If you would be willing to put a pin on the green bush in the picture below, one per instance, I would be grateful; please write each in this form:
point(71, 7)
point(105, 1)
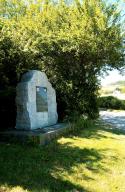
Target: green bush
point(111, 102)
point(7, 108)
point(80, 123)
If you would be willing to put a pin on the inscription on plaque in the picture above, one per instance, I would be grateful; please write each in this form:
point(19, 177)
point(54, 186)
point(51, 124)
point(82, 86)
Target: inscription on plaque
point(41, 99)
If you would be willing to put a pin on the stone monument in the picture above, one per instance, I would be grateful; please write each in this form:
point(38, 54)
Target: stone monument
point(35, 101)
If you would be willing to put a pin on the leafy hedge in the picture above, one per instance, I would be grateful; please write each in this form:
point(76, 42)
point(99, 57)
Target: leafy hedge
point(7, 108)
point(111, 102)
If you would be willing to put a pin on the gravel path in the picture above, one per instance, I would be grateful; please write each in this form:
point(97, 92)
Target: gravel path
point(115, 118)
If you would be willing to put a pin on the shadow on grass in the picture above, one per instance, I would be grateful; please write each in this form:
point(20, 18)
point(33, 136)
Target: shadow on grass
point(40, 168)
point(114, 130)
point(97, 132)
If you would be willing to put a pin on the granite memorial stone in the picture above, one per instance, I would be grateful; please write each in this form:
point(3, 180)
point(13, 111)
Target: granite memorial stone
point(35, 101)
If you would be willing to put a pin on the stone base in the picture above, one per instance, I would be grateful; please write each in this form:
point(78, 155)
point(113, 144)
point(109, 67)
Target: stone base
point(39, 136)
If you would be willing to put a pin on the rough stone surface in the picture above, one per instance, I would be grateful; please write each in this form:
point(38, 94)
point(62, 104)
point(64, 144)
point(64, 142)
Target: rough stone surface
point(35, 101)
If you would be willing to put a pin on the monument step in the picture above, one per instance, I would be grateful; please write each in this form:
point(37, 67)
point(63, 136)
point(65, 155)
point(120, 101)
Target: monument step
point(38, 136)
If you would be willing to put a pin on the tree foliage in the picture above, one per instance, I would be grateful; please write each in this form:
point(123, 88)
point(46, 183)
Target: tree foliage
point(71, 41)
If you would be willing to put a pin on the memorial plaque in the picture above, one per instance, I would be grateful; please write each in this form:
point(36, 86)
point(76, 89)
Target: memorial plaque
point(41, 99)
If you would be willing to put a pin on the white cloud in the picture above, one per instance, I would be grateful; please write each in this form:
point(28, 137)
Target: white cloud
point(112, 77)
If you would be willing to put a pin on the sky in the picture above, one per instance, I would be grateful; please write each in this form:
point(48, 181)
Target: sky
point(114, 75)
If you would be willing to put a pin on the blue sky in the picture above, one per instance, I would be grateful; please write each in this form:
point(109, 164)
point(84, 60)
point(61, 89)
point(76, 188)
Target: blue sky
point(114, 75)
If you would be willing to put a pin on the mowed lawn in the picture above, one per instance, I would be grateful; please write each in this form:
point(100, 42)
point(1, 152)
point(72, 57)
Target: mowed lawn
point(93, 161)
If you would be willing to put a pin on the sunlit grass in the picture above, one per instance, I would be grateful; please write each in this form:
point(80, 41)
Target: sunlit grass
point(93, 161)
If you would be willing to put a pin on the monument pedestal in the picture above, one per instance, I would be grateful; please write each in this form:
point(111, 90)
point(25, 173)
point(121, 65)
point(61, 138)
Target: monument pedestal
point(39, 136)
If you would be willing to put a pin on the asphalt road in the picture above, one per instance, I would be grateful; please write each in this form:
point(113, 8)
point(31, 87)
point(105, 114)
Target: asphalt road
point(115, 118)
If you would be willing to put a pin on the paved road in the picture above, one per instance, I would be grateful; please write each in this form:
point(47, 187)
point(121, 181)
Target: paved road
point(114, 118)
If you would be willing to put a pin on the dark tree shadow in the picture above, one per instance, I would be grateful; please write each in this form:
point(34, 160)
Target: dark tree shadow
point(97, 132)
point(109, 127)
point(32, 167)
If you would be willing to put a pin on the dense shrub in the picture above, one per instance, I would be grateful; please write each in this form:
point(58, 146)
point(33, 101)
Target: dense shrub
point(7, 108)
point(13, 63)
point(111, 102)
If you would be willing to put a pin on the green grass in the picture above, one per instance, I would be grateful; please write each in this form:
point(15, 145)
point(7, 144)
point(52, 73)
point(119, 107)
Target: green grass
point(93, 161)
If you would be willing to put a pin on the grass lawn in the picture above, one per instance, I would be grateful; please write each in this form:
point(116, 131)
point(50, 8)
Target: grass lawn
point(93, 161)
